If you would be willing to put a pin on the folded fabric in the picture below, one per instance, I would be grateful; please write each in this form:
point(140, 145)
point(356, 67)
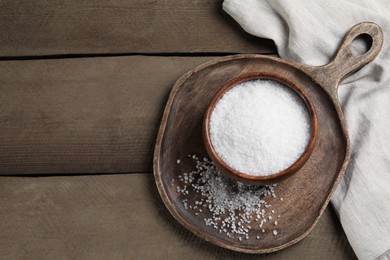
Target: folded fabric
point(310, 32)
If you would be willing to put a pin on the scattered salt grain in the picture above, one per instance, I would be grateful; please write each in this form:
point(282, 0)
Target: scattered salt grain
point(232, 208)
point(178, 161)
point(275, 232)
point(260, 127)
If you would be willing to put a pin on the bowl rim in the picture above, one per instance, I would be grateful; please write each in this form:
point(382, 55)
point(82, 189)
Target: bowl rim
point(253, 179)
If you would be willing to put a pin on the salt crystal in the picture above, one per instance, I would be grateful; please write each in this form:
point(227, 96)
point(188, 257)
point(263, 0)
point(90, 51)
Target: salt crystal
point(260, 127)
point(229, 206)
point(178, 161)
point(275, 232)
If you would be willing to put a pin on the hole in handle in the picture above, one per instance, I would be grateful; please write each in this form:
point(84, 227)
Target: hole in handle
point(361, 44)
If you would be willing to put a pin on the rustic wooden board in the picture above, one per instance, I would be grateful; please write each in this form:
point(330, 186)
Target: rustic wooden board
point(100, 116)
point(95, 115)
point(309, 190)
point(305, 194)
point(45, 27)
point(120, 217)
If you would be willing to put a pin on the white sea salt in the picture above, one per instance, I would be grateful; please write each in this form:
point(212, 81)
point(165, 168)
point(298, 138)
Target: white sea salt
point(260, 127)
point(233, 208)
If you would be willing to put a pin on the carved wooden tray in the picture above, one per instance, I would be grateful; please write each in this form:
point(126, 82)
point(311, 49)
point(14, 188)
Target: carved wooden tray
point(305, 194)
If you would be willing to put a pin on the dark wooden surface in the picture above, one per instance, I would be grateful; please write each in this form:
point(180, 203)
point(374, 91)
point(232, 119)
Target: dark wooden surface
point(89, 115)
point(100, 115)
point(120, 217)
point(44, 27)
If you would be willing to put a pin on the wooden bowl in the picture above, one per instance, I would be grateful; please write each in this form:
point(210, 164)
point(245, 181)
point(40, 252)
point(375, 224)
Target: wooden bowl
point(241, 176)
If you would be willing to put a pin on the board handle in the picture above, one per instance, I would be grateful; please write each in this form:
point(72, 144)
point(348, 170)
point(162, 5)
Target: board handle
point(346, 61)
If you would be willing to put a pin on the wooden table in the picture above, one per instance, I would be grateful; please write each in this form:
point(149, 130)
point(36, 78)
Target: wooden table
point(83, 86)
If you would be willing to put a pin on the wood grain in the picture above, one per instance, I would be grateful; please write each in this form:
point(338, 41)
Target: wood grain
point(45, 27)
point(100, 115)
point(120, 217)
point(95, 115)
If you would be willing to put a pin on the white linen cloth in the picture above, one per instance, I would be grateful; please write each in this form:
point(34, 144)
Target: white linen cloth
point(310, 32)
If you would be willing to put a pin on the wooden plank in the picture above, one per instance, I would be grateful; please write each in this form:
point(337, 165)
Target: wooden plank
point(95, 115)
point(120, 217)
point(45, 27)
